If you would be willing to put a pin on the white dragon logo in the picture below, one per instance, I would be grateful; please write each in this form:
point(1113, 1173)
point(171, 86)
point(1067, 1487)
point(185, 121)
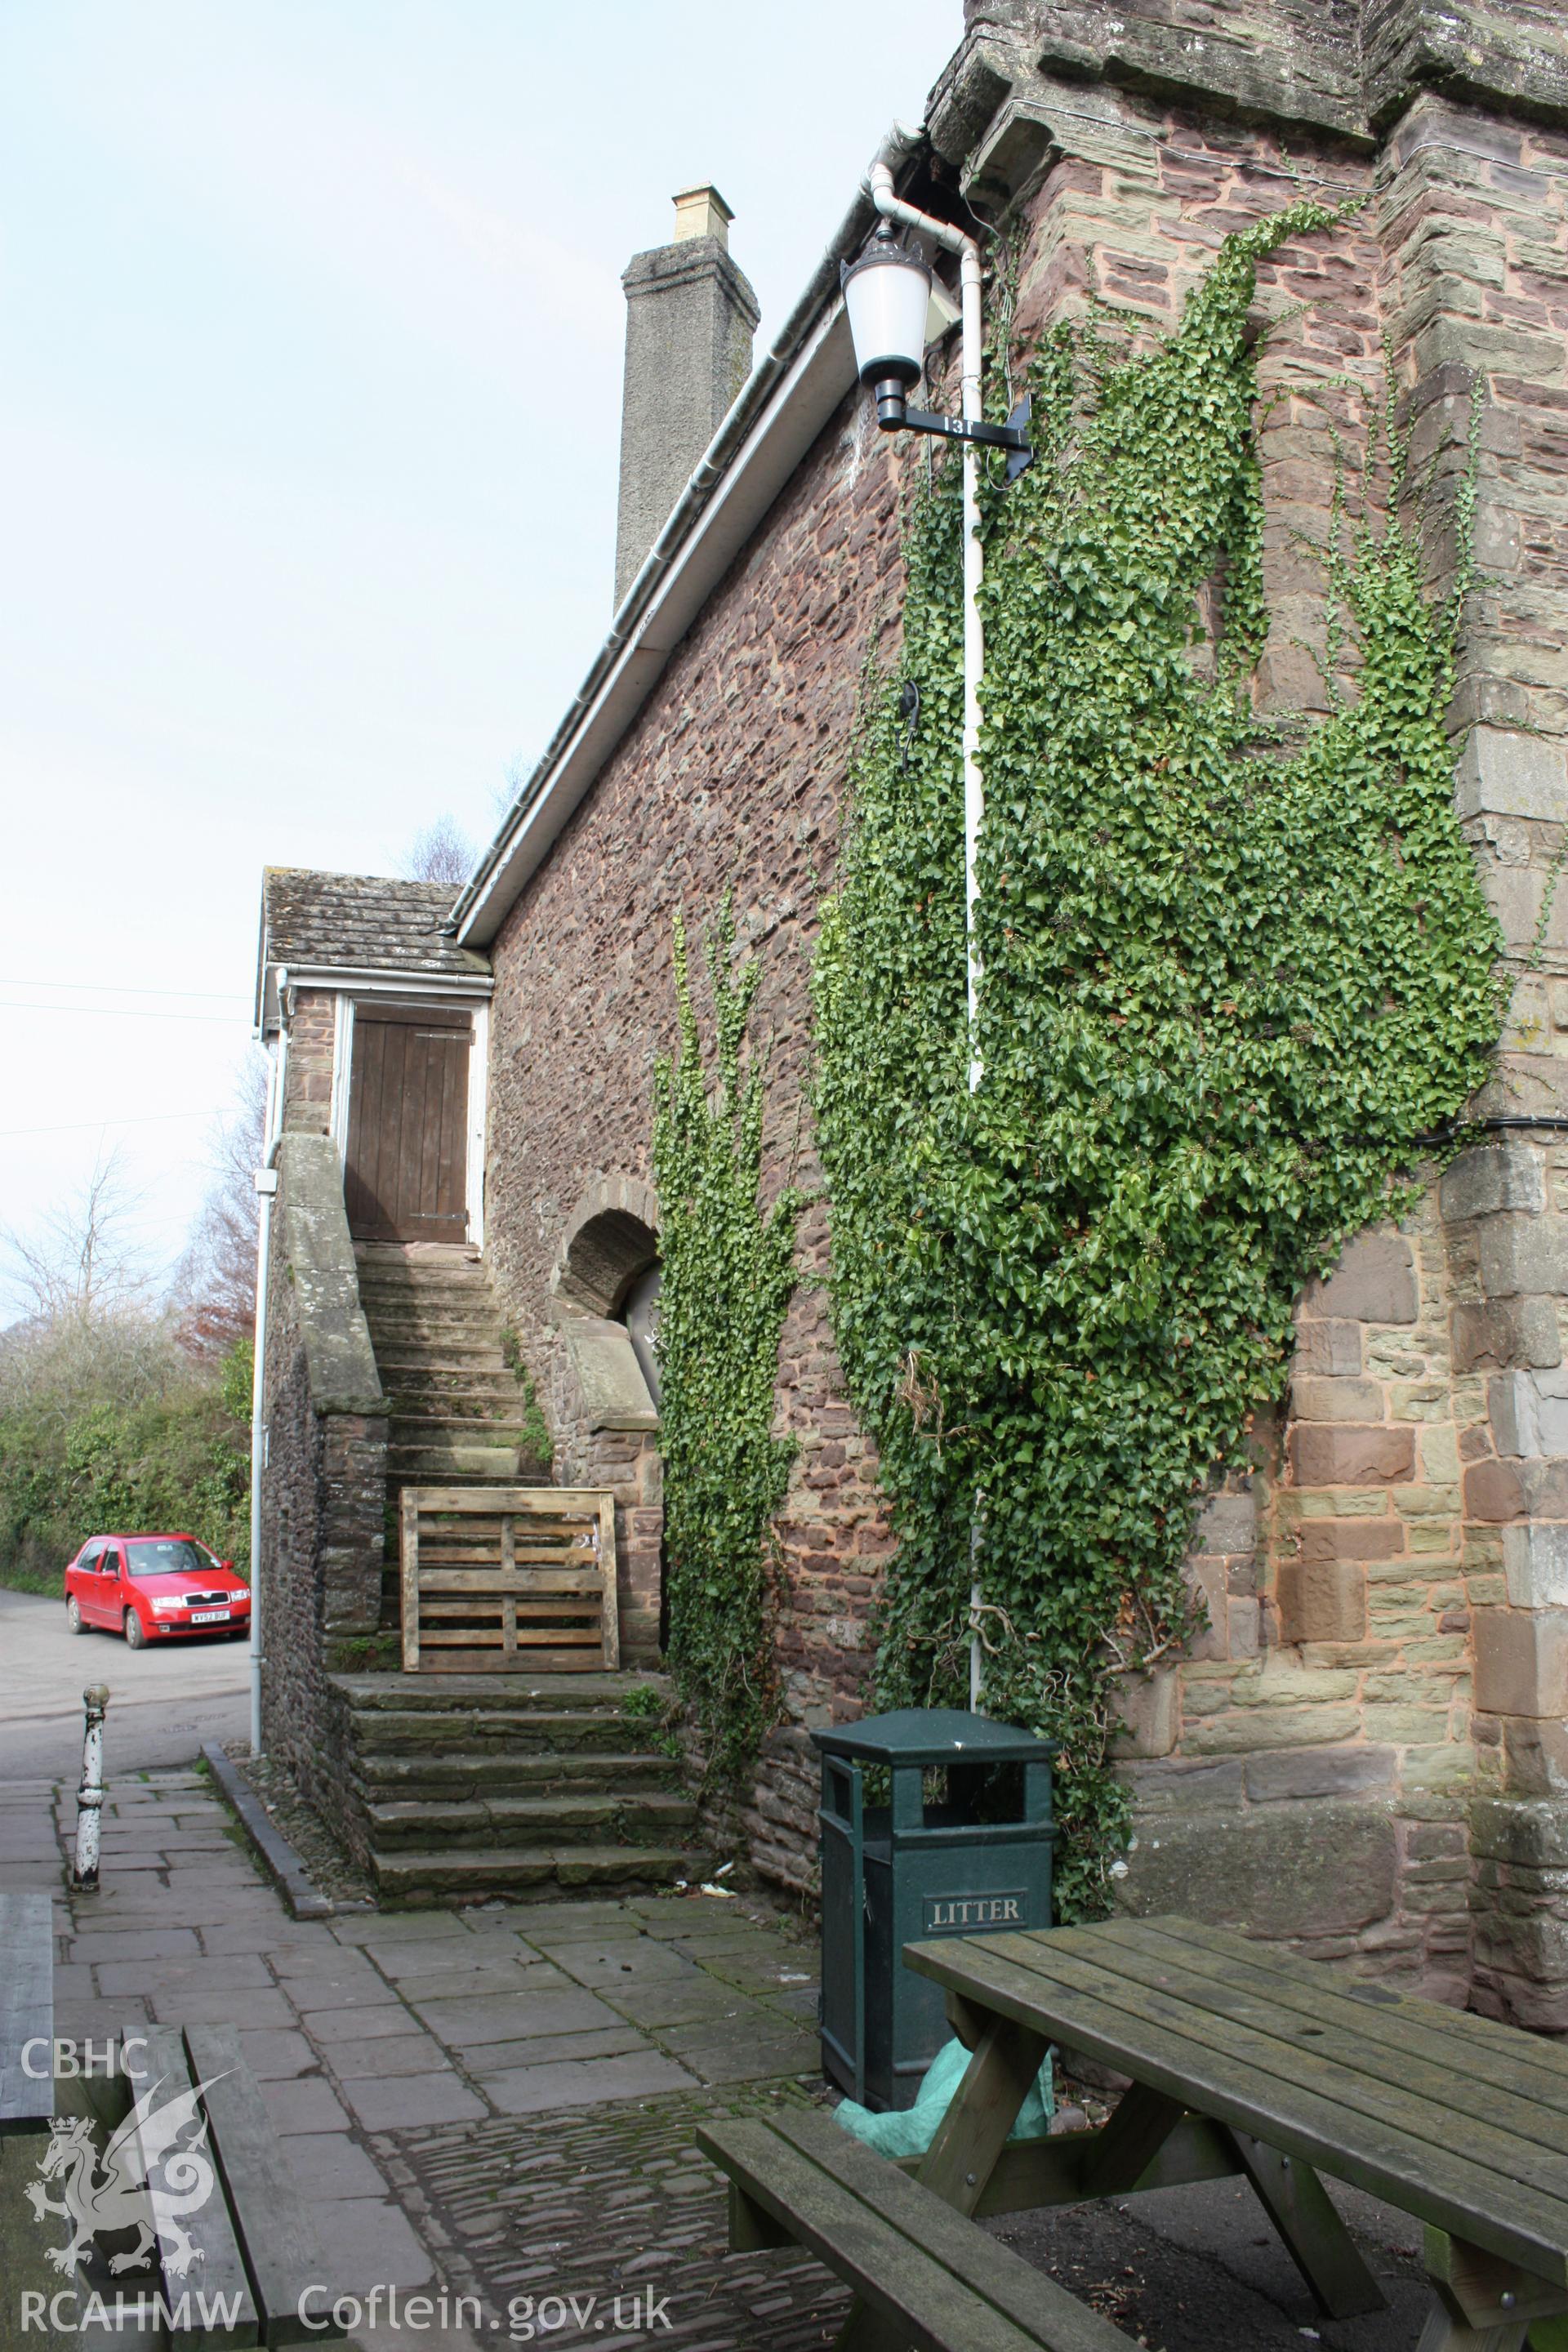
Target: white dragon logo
point(145, 2181)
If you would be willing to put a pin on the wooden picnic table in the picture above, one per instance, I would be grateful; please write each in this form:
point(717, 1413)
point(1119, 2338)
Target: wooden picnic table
point(1244, 2060)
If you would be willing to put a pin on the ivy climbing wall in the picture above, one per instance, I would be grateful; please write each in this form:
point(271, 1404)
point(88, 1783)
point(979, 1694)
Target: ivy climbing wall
point(1362, 1750)
point(1362, 1747)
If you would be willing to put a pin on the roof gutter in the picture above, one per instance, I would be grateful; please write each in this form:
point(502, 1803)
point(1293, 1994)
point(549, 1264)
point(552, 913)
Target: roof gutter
point(807, 368)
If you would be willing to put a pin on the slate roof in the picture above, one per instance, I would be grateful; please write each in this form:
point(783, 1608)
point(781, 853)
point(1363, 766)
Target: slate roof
point(359, 922)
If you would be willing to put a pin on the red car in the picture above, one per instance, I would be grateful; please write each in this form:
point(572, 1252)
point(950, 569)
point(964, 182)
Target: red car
point(149, 1586)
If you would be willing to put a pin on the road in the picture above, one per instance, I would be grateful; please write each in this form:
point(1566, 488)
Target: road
point(164, 1703)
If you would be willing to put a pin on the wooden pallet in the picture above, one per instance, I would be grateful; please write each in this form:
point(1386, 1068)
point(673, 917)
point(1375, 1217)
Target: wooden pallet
point(504, 1578)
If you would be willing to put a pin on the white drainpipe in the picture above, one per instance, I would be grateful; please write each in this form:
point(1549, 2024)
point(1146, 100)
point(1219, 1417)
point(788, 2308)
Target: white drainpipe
point(266, 1187)
point(879, 182)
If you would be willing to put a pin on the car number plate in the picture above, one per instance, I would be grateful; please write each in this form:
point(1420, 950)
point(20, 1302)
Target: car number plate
point(209, 1616)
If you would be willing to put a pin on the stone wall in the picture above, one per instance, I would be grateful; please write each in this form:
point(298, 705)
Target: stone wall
point(1319, 1767)
point(1364, 1750)
point(308, 1079)
point(325, 1487)
point(732, 778)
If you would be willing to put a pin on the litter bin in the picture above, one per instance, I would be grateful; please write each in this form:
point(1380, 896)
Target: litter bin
point(968, 1854)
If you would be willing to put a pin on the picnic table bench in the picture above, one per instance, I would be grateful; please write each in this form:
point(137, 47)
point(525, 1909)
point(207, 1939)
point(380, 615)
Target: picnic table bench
point(255, 2248)
point(1243, 2061)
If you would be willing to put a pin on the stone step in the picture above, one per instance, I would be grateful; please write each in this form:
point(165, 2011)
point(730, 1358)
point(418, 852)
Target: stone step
point(445, 1406)
point(410, 1275)
point(434, 1336)
point(475, 1304)
point(527, 1873)
point(429, 1425)
point(431, 1320)
point(450, 1776)
point(478, 1713)
point(407, 1399)
point(392, 1306)
point(502, 1695)
point(476, 1361)
point(388, 1737)
point(562, 1816)
point(474, 1466)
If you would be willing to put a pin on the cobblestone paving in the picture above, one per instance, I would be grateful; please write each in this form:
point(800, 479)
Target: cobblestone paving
point(608, 2208)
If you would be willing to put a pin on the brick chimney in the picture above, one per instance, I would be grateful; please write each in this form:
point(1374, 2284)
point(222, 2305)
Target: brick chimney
point(691, 317)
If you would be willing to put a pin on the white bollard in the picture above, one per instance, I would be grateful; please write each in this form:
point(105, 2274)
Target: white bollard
point(89, 1796)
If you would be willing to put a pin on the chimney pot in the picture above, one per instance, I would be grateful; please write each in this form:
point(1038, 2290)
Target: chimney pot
point(703, 211)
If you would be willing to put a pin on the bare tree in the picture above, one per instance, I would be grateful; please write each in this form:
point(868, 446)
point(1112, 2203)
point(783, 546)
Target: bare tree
point(81, 1261)
point(214, 1293)
point(441, 851)
point(91, 1325)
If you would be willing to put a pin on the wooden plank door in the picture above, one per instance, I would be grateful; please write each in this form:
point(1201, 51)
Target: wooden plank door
point(406, 1178)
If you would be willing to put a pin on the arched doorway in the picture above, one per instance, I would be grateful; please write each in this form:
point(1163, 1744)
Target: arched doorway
point(607, 1270)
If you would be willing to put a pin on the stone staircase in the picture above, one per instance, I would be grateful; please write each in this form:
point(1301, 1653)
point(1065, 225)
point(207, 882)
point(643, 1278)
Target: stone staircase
point(528, 1787)
point(458, 1415)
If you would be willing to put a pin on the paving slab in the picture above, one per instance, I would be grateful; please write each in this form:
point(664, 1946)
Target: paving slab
point(798, 2000)
point(273, 2053)
point(428, 1956)
point(400, 2053)
point(245, 1929)
point(308, 1948)
point(391, 1927)
point(329, 2027)
point(367, 2242)
point(742, 2054)
point(332, 2164)
point(682, 2000)
point(310, 1994)
point(208, 1885)
point(307, 2105)
point(565, 1922)
point(524, 1976)
point(139, 1864)
point(584, 2082)
point(643, 1958)
point(760, 1973)
point(544, 2049)
point(83, 2021)
point(408, 2102)
point(241, 2005)
point(29, 1842)
point(699, 1920)
point(240, 1971)
point(505, 2017)
point(109, 1944)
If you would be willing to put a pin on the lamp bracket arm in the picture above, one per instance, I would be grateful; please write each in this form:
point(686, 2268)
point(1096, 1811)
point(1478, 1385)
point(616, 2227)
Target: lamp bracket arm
point(964, 429)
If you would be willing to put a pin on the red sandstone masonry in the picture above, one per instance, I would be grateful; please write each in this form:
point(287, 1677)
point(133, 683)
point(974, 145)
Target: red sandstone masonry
point(733, 778)
point(1337, 1656)
point(308, 1105)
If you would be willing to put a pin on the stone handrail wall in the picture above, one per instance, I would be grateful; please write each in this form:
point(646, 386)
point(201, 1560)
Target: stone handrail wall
point(324, 1486)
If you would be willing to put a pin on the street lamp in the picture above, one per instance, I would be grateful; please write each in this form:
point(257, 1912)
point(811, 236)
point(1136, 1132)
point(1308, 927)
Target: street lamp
point(886, 293)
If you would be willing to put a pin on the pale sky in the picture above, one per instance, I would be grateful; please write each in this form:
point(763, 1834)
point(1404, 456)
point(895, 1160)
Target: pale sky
point(310, 332)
